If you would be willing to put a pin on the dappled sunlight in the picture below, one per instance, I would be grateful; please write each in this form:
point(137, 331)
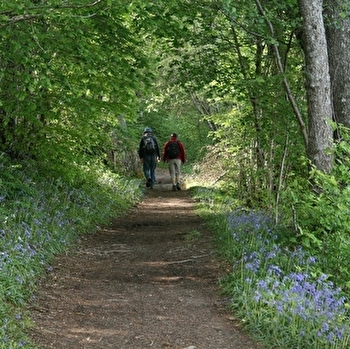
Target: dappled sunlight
point(162, 203)
point(172, 279)
point(146, 280)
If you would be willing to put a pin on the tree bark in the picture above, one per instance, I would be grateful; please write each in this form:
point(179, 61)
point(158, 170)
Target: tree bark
point(320, 133)
point(338, 41)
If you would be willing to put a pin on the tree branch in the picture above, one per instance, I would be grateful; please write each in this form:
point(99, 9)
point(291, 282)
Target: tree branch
point(285, 81)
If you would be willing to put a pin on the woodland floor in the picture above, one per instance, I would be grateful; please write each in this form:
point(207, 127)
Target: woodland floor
point(140, 283)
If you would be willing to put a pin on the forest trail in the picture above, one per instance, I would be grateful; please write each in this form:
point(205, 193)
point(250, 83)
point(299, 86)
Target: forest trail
point(147, 281)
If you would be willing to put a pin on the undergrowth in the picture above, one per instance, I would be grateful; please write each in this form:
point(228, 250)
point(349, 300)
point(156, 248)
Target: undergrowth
point(41, 217)
point(281, 291)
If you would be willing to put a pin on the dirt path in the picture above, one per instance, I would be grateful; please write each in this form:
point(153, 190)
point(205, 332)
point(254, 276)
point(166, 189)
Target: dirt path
point(142, 283)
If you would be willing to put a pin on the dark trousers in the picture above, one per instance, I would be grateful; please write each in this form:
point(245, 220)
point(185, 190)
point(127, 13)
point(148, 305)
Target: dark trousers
point(149, 167)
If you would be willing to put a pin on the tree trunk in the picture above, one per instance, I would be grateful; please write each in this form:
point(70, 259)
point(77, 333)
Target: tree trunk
point(338, 41)
point(320, 134)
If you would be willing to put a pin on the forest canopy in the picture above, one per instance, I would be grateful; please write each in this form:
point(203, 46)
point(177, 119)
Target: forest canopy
point(80, 79)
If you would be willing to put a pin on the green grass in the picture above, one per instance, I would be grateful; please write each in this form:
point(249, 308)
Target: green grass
point(192, 235)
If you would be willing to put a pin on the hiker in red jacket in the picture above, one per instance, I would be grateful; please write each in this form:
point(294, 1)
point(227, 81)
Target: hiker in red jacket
point(174, 154)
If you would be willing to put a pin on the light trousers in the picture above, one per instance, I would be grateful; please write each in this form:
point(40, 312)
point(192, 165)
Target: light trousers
point(175, 170)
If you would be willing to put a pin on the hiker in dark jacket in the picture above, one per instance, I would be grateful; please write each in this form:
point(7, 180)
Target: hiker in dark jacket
point(149, 154)
point(174, 153)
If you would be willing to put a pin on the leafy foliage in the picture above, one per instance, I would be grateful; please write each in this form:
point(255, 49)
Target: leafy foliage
point(63, 90)
point(321, 215)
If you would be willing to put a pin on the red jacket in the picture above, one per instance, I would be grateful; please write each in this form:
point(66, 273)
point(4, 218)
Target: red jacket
point(182, 155)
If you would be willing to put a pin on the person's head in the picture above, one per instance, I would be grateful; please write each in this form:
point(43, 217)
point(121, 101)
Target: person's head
point(147, 130)
point(173, 135)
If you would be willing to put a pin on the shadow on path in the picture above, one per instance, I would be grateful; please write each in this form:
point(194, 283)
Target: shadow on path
point(147, 281)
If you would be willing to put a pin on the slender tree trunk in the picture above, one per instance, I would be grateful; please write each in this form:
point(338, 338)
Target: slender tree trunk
point(338, 41)
point(320, 133)
point(280, 66)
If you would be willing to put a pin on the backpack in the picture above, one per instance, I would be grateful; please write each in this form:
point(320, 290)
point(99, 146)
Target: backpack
point(173, 150)
point(149, 145)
